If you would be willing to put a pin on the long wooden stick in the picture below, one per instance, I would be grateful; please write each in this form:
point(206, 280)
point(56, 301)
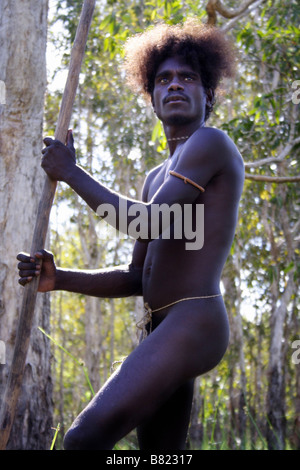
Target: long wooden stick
point(15, 378)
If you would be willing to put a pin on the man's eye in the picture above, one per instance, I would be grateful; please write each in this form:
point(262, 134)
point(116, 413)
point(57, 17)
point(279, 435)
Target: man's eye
point(163, 80)
point(188, 78)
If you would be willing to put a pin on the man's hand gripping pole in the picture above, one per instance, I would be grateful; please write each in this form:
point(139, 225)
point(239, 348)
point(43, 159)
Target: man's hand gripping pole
point(15, 378)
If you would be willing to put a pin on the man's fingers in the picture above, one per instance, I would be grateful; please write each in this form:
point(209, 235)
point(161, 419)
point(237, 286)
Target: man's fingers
point(24, 273)
point(25, 266)
point(30, 266)
point(28, 269)
point(43, 255)
point(48, 141)
point(70, 139)
point(24, 257)
point(24, 281)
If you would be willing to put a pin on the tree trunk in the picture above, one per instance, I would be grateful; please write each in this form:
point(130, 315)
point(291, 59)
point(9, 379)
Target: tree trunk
point(23, 29)
point(93, 320)
point(276, 386)
point(232, 284)
point(280, 302)
point(196, 426)
point(93, 315)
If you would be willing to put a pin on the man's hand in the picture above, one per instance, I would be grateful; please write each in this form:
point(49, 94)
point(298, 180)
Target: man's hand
point(59, 160)
point(29, 268)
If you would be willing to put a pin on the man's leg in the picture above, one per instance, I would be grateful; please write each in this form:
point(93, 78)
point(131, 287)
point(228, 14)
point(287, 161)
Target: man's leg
point(188, 342)
point(146, 379)
point(168, 427)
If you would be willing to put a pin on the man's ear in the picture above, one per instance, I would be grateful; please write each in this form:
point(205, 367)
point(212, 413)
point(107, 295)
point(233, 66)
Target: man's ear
point(210, 97)
point(210, 101)
point(152, 102)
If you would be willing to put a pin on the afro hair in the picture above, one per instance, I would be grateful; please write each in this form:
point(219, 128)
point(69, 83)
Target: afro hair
point(205, 48)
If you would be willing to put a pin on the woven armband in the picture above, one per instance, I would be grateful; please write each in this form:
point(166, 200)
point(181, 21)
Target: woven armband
point(187, 180)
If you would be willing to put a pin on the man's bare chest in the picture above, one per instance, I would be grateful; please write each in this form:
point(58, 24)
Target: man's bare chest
point(161, 175)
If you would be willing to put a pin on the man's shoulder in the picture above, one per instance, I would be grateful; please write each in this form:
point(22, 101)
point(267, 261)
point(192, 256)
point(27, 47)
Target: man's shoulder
point(213, 136)
point(152, 173)
point(211, 141)
point(154, 170)
point(149, 177)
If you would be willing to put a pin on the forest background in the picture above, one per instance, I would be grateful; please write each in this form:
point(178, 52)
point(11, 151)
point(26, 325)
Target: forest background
point(252, 399)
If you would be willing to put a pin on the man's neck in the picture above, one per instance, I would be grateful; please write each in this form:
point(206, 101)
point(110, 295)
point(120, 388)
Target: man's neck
point(178, 135)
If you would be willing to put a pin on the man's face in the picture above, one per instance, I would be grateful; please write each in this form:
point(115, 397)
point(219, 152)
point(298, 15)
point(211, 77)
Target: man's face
point(178, 95)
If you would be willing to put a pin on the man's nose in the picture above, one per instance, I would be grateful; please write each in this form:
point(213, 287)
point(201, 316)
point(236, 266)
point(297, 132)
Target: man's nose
point(175, 85)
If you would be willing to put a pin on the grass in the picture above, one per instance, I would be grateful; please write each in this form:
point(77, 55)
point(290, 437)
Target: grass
point(78, 362)
point(57, 429)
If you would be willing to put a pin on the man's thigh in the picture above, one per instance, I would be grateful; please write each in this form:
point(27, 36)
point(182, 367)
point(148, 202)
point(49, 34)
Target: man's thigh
point(136, 390)
point(180, 348)
point(167, 428)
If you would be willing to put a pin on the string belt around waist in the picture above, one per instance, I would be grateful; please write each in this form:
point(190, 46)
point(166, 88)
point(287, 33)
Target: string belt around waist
point(147, 318)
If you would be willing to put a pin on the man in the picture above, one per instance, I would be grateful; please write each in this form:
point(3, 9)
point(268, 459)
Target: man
point(187, 330)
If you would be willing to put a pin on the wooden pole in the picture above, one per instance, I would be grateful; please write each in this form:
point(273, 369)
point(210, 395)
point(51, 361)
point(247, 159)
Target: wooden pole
point(15, 378)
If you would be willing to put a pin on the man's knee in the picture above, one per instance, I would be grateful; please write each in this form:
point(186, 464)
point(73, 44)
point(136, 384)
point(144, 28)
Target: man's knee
point(77, 438)
point(72, 440)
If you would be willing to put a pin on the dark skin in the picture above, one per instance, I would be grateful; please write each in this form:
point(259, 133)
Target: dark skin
point(152, 390)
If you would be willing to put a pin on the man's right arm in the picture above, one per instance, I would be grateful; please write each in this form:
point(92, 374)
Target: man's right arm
point(115, 282)
point(120, 281)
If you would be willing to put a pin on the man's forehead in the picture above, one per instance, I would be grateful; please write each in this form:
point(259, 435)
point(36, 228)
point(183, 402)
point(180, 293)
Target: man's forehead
point(174, 62)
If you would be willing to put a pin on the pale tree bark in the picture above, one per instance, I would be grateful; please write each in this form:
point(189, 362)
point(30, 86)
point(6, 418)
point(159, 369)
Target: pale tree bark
point(281, 300)
point(93, 336)
point(233, 300)
point(23, 29)
point(92, 253)
point(276, 385)
point(215, 7)
point(239, 339)
point(295, 326)
point(196, 423)
point(93, 315)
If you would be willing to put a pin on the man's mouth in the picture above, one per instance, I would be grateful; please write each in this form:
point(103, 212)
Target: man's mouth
point(174, 98)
